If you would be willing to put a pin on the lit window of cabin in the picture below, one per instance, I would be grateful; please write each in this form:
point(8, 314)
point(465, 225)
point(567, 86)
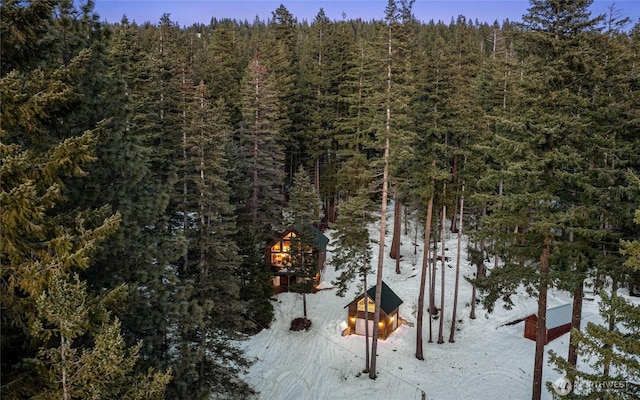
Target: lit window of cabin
point(372, 305)
point(280, 251)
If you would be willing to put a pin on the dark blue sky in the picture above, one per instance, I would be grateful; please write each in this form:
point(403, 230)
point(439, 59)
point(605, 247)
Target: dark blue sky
point(188, 12)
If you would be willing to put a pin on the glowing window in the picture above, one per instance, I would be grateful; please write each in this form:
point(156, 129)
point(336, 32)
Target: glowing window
point(372, 305)
point(279, 259)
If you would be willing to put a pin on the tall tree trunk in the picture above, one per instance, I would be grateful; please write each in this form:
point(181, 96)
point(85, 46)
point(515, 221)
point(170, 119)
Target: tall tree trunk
point(612, 324)
point(63, 358)
point(480, 272)
point(202, 361)
point(407, 223)
point(455, 290)
point(316, 176)
point(496, 259)
point(383, 228)
point(432, 285)
point(383, 212)
point(304, 307)
point(480, 268)
point(291, 164)
point(541, 326)
point(442, 267)
point(397, 227)
point(454, 228)
point(254, 197)
point(185, 192)
point(576, 316)
point(366, 324)
point(423, 276)
point(472, 313)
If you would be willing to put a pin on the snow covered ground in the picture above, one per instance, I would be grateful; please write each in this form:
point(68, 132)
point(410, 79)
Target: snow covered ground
point(487, 360)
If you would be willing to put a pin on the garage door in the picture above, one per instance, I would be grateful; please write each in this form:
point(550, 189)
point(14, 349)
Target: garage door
point(360, 329)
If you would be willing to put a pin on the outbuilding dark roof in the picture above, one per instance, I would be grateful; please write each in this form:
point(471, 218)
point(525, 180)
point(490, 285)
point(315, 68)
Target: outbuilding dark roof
point(389, 302)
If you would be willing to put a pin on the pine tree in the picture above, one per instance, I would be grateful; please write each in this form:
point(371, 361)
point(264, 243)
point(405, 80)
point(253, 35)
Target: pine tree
point(355, 125)
point(352, 250)
point(393, 127)
point(208, 316)
point(594, 251)
point(105, 370)
point(262, 151)
point(222, 66)
point(433, 152)
point(138, 175)
point(279, 54)
point(247, 157)
point(304, 206)
point(255, 283)
point(302, 213)
point(56, 337)
point(121, 177)
point(225, 79)
point(401, 47)
point(23, 44)
point(539, 153)
point(391, 19)
point(497, 86)
point(612, 354)
point(597, 344)
point(443, 117)
point(317, 106)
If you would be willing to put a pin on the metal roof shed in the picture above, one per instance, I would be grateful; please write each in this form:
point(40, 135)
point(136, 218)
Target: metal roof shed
point(558, 323)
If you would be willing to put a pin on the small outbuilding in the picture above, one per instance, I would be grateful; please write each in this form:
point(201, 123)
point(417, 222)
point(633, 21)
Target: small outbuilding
point(558, 323)
point(389, 316)
point(277, 254)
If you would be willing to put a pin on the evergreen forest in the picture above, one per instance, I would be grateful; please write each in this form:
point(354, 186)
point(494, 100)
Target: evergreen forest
point(145, 167)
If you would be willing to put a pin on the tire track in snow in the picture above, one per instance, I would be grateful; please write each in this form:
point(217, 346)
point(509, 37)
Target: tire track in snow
point(508, 381)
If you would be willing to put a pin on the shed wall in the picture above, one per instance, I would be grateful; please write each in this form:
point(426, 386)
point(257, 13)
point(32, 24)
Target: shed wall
point(551, 334)
point(557, 332)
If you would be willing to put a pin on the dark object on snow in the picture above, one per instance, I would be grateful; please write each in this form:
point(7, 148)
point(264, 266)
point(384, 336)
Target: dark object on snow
point(516, 321)
point(299, 324)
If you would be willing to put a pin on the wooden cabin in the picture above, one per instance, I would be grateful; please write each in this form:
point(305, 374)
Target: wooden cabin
point(278, 255)
point(389, 317)
point(558, 323)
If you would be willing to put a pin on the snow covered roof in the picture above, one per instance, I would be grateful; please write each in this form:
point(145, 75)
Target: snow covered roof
point(560, 315)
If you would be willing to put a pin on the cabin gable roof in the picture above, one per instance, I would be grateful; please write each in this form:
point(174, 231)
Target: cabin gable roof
point(389, 300)
point(321, 241)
